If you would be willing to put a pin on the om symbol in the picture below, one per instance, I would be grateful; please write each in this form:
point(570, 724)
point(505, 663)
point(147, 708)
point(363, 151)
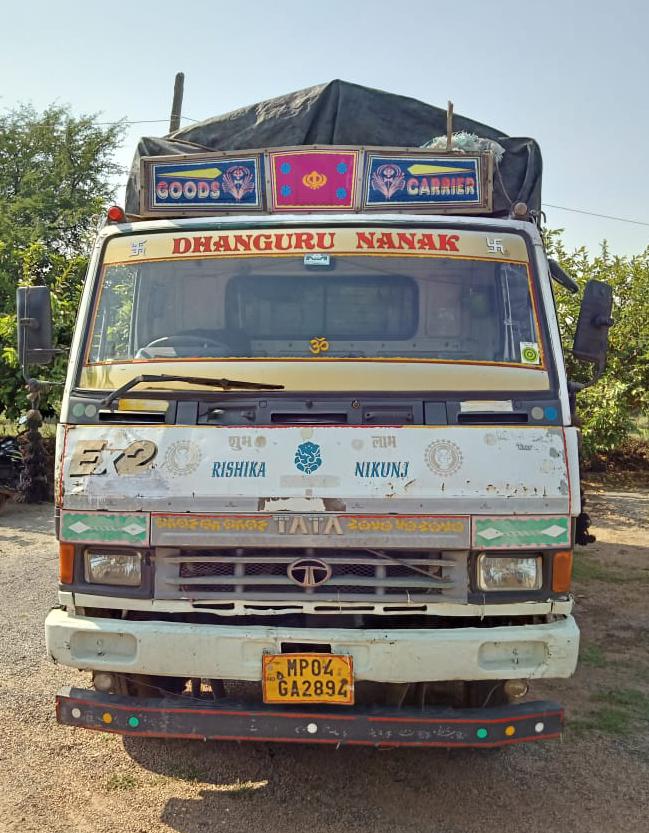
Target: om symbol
point(318, 345)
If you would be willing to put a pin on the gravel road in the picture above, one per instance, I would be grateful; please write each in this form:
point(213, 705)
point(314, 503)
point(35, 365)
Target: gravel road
point(55, 778)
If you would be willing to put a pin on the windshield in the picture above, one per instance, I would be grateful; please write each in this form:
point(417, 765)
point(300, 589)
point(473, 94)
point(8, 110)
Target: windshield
point(317, 306)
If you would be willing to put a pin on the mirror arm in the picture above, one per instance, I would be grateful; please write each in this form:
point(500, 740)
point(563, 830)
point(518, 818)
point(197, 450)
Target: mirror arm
point(562, 277)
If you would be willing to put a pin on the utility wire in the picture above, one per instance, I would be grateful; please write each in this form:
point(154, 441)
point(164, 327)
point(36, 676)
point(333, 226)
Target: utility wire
point(142, 121)
point(595, 214)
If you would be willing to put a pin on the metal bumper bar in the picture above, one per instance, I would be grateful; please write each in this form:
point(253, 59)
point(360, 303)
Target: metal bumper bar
point(180, 717)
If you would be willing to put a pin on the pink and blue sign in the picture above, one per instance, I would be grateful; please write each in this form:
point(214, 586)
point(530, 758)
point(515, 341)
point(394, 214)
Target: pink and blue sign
point(331, 178)
point(422, 180)
point(313, 179)
point(208, 183)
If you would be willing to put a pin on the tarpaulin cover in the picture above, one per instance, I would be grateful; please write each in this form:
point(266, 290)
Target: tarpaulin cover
point(340, 113)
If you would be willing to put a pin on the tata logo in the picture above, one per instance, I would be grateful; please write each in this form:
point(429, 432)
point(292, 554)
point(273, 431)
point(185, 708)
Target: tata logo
point(308, 572)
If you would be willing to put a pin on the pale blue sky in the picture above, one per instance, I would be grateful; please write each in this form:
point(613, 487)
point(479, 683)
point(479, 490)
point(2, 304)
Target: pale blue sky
point(571, 73)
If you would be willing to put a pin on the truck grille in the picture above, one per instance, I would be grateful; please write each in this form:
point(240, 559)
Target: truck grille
point(356, 575)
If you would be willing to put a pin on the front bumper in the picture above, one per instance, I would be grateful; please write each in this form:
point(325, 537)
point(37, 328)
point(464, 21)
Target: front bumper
point(231, 652)
point(228, 720)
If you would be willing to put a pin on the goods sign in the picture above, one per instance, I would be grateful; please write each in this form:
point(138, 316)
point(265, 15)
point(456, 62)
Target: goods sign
point(204, 185)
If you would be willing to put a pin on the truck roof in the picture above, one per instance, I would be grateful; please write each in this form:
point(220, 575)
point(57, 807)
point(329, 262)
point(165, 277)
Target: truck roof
point(343, 114)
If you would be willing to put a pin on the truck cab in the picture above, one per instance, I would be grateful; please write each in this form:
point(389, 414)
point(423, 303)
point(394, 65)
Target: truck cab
point(317, 473)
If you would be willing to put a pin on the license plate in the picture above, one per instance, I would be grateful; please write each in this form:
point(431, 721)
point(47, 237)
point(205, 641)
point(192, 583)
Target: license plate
point(308, 678)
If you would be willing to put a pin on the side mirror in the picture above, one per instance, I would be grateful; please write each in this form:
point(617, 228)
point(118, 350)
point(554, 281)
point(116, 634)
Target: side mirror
point(34, 314)
point(591, 336)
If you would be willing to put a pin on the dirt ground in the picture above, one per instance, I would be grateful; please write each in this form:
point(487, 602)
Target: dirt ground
point(55, 778)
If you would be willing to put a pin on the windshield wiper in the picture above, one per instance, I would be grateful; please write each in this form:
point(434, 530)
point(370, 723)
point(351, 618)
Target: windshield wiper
point(224, 384)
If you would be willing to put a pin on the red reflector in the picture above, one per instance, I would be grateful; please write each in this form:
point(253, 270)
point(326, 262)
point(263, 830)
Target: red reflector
point(116, 214)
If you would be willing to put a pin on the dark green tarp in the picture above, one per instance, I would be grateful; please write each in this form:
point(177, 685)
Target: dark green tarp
point(340, 113)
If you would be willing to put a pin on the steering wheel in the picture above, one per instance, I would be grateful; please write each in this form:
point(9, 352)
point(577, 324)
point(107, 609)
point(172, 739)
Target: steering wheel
point(181, 340)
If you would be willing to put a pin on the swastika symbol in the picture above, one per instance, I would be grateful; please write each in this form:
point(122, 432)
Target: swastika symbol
point(495, 245)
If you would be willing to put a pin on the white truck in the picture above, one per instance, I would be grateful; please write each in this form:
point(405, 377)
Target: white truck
point(317, 474)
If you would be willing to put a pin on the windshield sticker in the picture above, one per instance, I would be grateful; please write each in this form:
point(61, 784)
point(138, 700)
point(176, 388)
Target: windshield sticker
point(318, 345)
point(530, 352)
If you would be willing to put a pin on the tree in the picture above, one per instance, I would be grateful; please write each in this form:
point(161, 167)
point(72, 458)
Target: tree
point(57, 175)
point(609, 409)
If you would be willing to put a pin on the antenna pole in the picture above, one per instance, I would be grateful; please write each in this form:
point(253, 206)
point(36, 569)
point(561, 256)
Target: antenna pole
point(449, 126)
point(177, 105)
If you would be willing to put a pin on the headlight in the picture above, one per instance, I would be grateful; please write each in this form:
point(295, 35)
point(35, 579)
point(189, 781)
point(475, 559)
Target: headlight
point(509, 572)
point(113, 568)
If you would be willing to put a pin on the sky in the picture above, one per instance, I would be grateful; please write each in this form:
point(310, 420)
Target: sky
point(573, 74)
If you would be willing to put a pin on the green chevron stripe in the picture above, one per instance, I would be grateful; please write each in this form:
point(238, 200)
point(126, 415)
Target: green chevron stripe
point(104, 527)
point(504, 533)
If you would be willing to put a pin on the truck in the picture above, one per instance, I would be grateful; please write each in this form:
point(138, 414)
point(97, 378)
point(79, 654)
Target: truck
point(317, 468)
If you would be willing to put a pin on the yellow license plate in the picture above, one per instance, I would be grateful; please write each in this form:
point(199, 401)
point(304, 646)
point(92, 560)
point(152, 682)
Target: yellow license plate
point(308, 678)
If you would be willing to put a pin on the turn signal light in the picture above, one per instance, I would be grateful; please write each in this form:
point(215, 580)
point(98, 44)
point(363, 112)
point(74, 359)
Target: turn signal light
point(66, 563)
point(562, 571)
point(116, 214)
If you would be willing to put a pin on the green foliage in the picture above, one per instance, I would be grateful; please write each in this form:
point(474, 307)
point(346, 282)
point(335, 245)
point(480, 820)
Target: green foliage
point(56, 177)
point(619, 712)
point(591, 655)
point(609, 409)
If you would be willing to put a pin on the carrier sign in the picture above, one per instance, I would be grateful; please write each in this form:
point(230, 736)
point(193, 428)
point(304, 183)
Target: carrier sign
point(396, 180)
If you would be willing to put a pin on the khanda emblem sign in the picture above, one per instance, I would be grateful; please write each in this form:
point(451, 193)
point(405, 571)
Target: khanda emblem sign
point(388, 179)
point(314, 180)
point(238, 181)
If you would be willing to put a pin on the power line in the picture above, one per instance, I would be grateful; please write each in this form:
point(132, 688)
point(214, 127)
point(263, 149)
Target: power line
point(595, 214)
point(142, 121)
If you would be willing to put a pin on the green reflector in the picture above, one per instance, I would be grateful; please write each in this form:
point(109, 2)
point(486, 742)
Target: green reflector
point(482, 733)
point(134, 722)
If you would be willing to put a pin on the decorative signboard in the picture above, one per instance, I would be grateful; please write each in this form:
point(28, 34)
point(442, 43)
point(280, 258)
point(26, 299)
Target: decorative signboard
point(308, 180)
point(419, 180)
point(202, 184)
point(316, 179)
